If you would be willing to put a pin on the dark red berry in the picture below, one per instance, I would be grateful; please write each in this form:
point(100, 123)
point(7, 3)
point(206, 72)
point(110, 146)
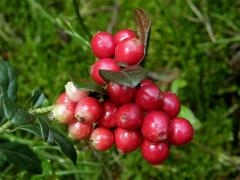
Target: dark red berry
point(124, 34)
point(105, 64)
point(154, 153)
point(108, 118)
point(102, 139)
point(79, 130)
point(130, 51)
point(127, 141)
point(155, 127)
point(121, 94)
point(73, 93)
point(149, 97)
point(103, 45)
point(181, 131)
point(63, 113)
point(63, 99)
point(88, 110)
point(145, 82)
point(129, 116)
point(171, 104)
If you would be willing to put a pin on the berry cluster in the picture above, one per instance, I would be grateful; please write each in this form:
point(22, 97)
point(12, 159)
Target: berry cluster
point(129, 117)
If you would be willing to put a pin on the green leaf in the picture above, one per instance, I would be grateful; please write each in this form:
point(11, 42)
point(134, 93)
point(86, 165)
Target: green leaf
point(86, 84)
point(14, 113)
point(65, 145)
point(8, 81)
point(3, 159)
point(144, 27)
point(130, 76)
point(189, 115)
point(21, 156)
point(45, 128)
point(51, 136)
point(38, 98)
point(178, 84)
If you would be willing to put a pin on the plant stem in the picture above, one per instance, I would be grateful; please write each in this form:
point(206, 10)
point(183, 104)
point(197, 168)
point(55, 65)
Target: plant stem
point(80, 19)
point(42, 110)
point(5, 126)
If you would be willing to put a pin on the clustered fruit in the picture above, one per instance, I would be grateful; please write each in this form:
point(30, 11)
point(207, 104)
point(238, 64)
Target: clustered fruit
point(130, 117)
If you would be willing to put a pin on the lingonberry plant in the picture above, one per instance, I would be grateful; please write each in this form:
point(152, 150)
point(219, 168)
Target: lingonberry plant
point(120, 106)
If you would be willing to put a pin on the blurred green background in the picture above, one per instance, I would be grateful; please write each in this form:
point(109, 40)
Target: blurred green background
point(194, 51)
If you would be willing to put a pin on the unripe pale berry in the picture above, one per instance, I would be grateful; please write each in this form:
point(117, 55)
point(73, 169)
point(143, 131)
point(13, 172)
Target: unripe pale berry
point(103, 45)
point(104, 64)
point(154, 153)
point(63, 113)
point(130, 51)
point(63, 99)
point(149, 97)
point(88, 110)
point(129, 116)
point(145, 82)
point(73, 93)
point(155, 126)
point(181, 131)
point(171, 104)
point(102, 139)
point(108, 118)
point(127, 141)
point(124, 34)
point(79, 130)
point(121, 94)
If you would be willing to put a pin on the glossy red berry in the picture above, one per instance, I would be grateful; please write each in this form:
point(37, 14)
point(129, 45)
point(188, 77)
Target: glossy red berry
point(129, 116)
point(145, 82)
point(171, 104)
point(105, 64)
point(121, 94)
point(154, 153)
point(155, 127)
point(102, 139)
point(103, 45)
point(108, 118)
point(73, 93)
point(127, 141)
point(181, 131)
point(63, 113)
point(63, 99)
point(79, 130)
point(124, 34)
point(130, 51)
point(88, 110)
point(149, 97)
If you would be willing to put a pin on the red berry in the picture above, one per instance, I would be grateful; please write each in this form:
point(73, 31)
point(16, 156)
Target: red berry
point(181, 131)
point(103, 45)
point(171, 104)
point(108, 118)
point(105, 64)
point(121, 94)
point(130, 51)
point(149, 97)
point(102, 139)
point(79, 130)
point(129, 116)
point(63, 113)
point(154, 153)
point(88, 110)
point(127, 141)
point(155, 127)
point(124, 34)
point(145, 82)
point(63, 99)
point(73, 93)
